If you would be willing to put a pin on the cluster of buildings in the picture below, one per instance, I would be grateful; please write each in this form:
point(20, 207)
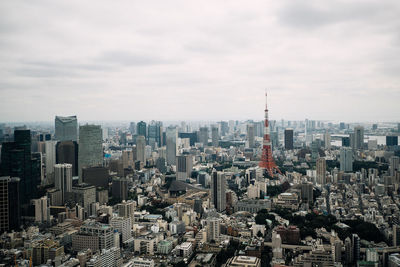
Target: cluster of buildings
point(193, 194)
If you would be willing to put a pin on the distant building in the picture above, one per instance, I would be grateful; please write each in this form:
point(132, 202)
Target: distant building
point(345, 141)
point(63, 179)
point(346, 159)
point(392, 140)
point(90, 147)
point(140, 148)
point(357, 138)
point(67, 152)
point(289, 139)
point(10, 217)
point(171, 143)
point(120, 188)
point(141, 129)
point(250, 135)
point(214, 136)
point(321, 171)
point(213, 229)
point(66, 128)
point(42, 212)
point(218, 186)
point(184, 167)
point(203, 136)
point(97, 176)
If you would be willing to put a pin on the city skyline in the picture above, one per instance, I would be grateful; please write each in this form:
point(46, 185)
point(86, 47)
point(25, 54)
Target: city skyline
point(331, 61)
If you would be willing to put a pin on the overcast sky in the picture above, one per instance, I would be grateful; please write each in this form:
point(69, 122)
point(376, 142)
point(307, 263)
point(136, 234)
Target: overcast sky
point(199, 60)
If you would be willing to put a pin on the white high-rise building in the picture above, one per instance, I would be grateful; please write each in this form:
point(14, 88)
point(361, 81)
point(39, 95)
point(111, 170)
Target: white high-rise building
point(213, 229)
point(42, 213)
point(123, 226)
point(218, 186)
point(171, 142)
point(63, 178)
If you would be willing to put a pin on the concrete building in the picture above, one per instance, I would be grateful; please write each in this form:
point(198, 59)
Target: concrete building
point(218, 186)
point(243, 261)
point(140, 149)
point(214, 136)
point(321, 171)
point(346, 159)
point(289, 139)
point(171, 145)
point(42, 212)
point(184, 167)
point(102, 233)
point(203, 136)
point(90, 147)
point(50, 147)
point(63, 179)
point(9, 204)
point(213, 229)
point(250, 135)
point(123, 226)
point(66, 128)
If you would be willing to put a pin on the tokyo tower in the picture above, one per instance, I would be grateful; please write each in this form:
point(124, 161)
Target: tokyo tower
point(267, 162)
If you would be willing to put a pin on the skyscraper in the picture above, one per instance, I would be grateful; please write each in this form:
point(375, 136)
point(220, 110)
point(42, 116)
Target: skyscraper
point(132, 128)
point(218, 196)
point(321, 171)
point(10, 217)
point(171, 136)
point(203, 136)
point(327, 139)
point(250, 134)
point(142, 129)
point(67, 152)
point(214, 136)
point(394, 165)
point(357, 138)
point(184, 167)
point(90, 147)
point(17, 161)
point(50, 147)
point(63, 179)
point(392, 140)
point(66, 128)
point(288, 139)
point(155, 134)
point(140, 147)
point(346, 159)
point(213, 229)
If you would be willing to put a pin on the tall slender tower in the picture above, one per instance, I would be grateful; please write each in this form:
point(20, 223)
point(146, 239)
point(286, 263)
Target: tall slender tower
point(267, 162)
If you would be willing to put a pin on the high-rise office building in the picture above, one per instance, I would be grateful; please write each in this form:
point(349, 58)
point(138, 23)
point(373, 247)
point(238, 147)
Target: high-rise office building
point(50, 147)
point(355, 242)
point(66, 128)
point(42, 212)
point(224, 128)
point(321, 171)
point(218, 196)
point(198, 206)
point(214, 136)
point(90, 147)
point(288, 139)
point(203, 136)
point(10, 217)
point(18, 161)
point(140, 149)
point(213, 229)
point(171, 136)
point(357, 138)
point(394, 165)
point(250, 135)
point(327, 139)
point(346, 159)
point(392, 140)
point(155, 135)
point(184, 167)
point(120, 188)
point(67, 152)
point(132, 128)
point(345, 141)
point(141, 129)
point(63, 179)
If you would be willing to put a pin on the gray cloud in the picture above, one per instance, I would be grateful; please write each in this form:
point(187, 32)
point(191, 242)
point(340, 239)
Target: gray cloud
point(199, 60)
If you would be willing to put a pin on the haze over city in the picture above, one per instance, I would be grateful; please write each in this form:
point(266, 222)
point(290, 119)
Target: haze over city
point(184, 60)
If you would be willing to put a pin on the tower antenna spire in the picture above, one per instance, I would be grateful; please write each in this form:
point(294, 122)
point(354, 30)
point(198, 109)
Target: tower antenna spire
point(267, 161)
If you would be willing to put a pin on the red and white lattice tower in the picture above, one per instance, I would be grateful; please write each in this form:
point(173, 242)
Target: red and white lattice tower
point(267, 162)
